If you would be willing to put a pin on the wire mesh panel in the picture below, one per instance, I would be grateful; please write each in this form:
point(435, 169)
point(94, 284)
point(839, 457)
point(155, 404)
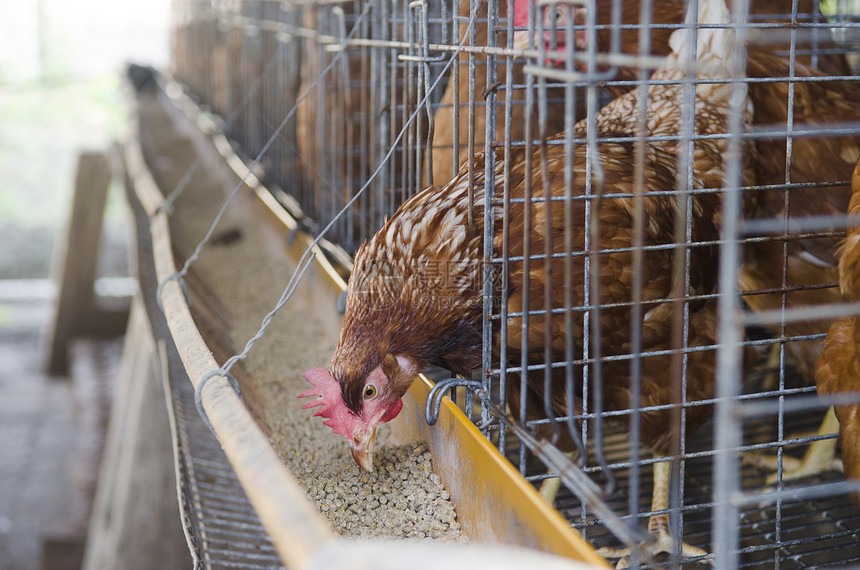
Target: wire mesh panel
point(638, 320)
point(660, 190)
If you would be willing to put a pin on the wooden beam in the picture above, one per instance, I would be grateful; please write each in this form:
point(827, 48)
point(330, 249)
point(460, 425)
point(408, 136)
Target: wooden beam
point(78, 312)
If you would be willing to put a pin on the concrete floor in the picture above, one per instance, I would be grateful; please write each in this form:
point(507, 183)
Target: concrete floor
point(51, 432)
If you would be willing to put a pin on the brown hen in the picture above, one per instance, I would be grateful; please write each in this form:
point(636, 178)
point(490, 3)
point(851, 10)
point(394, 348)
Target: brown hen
point(823, 164)
point(782, 269)
point(415, 295)
point(799, 270)
point(838, 367)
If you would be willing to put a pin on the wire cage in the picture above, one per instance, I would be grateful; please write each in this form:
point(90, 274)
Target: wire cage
point(659, 248)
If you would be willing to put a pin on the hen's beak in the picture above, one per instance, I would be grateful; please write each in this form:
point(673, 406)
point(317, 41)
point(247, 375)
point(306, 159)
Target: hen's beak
point(362, 450)
point(364, 458)
point(364, 436)
point(521, 39)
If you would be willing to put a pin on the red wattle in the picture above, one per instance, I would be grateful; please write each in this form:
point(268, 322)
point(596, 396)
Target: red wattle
point(392, 413)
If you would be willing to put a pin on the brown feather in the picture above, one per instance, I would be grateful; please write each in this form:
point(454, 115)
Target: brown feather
point(818, 160)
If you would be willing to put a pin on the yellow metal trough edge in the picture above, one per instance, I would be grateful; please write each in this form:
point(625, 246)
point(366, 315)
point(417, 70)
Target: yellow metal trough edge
point(494, 502)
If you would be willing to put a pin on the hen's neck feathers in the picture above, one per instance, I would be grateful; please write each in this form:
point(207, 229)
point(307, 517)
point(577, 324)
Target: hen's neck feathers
point(718, 55)
point(714, 46)
point(416, 285)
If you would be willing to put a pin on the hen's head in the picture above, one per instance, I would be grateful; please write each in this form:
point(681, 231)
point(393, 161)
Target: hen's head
point(355, 407)
point(556, 18)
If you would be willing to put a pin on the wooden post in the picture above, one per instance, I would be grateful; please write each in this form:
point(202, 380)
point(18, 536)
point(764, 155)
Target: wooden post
point(78, 311)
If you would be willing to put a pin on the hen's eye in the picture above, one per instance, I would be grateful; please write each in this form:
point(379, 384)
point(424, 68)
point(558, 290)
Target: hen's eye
point(558, 14)
point(369, 391)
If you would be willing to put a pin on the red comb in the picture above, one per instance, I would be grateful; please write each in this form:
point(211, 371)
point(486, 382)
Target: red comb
point(521, 12)
point(327, 394)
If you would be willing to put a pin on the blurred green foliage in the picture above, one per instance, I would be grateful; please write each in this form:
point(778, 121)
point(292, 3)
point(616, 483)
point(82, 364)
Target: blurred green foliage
point(836, 7)
point(44, 124)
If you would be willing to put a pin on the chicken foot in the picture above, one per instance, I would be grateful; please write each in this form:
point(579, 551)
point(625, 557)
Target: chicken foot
point(658, 525)
point(771, 367)
point(820, 456)
point(550, 487)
